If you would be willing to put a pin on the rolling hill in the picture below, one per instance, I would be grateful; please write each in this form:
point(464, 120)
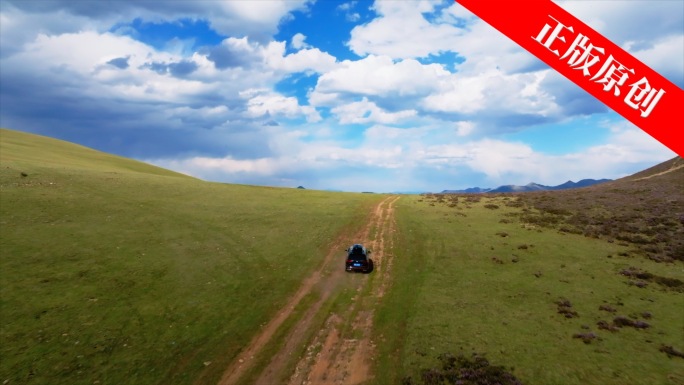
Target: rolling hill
point(645, 209)
point(23, 149)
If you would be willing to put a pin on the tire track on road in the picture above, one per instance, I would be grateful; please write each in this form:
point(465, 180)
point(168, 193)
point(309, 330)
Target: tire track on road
point(344, 347)
point(315, 283)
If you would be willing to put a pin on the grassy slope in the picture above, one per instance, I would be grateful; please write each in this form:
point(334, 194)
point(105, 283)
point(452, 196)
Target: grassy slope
point(672, 164)
point(35, 151)
point(645, 210)
point(124, 273)
point(456, 289)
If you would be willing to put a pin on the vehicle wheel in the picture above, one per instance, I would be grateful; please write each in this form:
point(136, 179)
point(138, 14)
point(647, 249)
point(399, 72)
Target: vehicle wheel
point(371, 266)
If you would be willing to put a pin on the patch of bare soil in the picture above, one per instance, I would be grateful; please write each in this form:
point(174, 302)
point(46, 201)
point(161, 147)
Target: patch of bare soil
point(333, 357)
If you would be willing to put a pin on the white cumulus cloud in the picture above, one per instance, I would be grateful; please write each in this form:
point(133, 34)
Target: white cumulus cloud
point(379, 76)
point(364, 111)
point(402, 31)
point(264, 103)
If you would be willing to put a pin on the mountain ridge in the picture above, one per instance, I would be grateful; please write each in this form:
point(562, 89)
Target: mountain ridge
point(529, 187)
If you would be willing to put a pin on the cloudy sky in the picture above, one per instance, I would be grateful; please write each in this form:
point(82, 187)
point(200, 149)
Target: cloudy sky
point(345, 95)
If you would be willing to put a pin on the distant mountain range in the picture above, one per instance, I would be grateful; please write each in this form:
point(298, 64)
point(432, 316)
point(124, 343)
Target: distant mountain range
point(529, 187)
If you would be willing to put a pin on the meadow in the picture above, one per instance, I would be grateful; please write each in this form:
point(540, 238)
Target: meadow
point(118, 272)
point(114, 271)
point(472, 278)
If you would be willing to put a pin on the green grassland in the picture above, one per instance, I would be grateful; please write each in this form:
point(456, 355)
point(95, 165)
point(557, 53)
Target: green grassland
point(117, 272)
point(470, 277)
point(113, 271)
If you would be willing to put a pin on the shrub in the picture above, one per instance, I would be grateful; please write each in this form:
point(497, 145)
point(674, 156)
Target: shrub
point(463, 371)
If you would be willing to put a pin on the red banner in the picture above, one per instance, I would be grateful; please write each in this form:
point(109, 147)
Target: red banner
point(591, 61)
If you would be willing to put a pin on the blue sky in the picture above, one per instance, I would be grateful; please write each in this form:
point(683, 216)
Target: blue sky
point(343, 95)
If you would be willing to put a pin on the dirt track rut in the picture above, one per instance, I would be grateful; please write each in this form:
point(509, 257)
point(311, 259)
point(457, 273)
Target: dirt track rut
point(342, 350)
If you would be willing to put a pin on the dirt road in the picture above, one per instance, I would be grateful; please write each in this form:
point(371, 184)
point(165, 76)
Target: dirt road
point(341, 350)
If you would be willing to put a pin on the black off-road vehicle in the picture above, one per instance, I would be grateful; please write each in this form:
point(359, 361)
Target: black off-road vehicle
point(358, 259)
